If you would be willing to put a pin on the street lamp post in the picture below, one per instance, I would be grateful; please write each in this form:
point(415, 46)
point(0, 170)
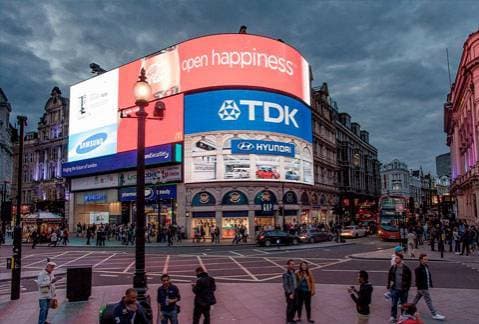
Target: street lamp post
point(17, 234)
point(142, 92)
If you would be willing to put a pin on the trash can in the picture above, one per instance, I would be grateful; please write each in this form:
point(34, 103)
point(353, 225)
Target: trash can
point(79, 283)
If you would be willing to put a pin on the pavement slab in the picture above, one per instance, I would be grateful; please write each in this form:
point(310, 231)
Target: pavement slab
point(250, 303)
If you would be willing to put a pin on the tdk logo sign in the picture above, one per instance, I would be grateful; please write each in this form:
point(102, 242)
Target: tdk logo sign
point(91, 143)
point(272, 112)
point(261, 147)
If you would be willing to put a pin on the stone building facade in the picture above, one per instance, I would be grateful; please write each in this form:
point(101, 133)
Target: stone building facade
point(359, 175)
point(44, 152)
point(461, 115)
point(6, 149)
point(395, 179)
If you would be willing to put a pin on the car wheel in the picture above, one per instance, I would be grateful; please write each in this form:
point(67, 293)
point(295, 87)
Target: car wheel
point(295, 241)
point(311, 240)
point(267, 243)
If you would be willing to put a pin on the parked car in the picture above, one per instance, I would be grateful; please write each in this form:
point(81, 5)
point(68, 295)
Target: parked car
point(271, 237)
point(291, 175)
point(353, 231)
point(313, 236)
point(267, 173)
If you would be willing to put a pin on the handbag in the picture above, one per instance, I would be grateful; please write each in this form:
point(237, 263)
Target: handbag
point(53, 303)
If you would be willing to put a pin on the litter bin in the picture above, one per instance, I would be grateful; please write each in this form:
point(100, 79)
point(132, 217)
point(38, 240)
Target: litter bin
point(79, 283)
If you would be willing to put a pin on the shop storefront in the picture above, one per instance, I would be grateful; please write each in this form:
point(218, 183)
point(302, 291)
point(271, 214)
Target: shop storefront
point(203, 222)
point(233, 221)
point(97, 207)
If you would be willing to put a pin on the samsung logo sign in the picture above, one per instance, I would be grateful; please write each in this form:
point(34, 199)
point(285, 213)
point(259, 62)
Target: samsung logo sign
point(262, 147)
point(91, 143)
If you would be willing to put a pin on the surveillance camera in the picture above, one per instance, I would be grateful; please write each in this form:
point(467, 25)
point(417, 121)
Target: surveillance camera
point(159, 109)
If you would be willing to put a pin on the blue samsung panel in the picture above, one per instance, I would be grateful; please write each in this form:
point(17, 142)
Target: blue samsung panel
point(242, 146)
point(247, 110)
point(153, 155)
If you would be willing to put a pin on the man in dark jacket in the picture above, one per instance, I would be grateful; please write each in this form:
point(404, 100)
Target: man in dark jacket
point(203, 289)
point(362, 298)
point(168, 296)
point(289, 285)
point(399, 282)
point(129, 311)
point(423, 283)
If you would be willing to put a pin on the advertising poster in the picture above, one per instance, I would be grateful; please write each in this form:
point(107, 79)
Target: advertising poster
point(93, 119)
point(99, 217)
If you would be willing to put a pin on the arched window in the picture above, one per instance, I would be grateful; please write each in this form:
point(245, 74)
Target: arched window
point(203, 198)
point(235, 197)
point(265, 195)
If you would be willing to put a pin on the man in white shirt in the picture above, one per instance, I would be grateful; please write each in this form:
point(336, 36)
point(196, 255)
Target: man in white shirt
point(46, 289)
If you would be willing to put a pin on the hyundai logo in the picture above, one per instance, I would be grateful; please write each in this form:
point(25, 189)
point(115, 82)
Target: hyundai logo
point(245, 146)
point(91, 143)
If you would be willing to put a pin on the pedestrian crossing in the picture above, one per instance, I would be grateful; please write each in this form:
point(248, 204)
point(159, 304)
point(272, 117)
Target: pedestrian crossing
point(6, 286)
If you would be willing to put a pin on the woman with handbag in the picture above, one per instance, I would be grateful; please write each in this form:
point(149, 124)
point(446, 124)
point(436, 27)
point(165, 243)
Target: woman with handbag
point(46, 288)
point(305, 290)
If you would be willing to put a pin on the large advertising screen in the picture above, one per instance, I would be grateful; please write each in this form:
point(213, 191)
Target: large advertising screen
point(247, 135)
point(209, 62)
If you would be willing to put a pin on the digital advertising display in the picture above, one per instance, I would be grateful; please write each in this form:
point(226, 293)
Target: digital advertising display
point(247, 135)
point(99, 140)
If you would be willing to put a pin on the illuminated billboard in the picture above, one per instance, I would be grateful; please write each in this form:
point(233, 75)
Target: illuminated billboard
point(209, 62)
point(247, 135)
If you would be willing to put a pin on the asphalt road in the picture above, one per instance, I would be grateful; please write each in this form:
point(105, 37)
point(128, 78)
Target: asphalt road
point(330, 265)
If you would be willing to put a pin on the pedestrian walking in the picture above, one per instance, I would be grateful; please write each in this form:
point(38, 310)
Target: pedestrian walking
point(65, 237)
point(204, 290)
point(128, 310)
point(89, 235)
point(34, 238)
point(289, 287)
point(168, 296)
point(362, 297)
point(411, 243)
point(53, 239)
point(46, 289)
point(217, 235)
point(466, 241)
point(399, 283)
point(423, 283)
point(410, 315)
point(305, 290)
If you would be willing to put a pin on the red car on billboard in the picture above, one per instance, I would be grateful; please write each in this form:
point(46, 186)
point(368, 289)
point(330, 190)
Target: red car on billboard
point(265, 172)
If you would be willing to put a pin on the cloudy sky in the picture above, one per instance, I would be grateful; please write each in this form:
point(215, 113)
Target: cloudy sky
point(384, 61)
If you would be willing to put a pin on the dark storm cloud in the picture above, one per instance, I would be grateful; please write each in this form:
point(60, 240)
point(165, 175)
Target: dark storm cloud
point(384, 61)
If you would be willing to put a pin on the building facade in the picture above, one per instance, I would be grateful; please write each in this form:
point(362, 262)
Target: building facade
point(43, 187)
point(443, 165)
point(359, 175)
point(461, 115)
point(6, 147)
point(395, 179)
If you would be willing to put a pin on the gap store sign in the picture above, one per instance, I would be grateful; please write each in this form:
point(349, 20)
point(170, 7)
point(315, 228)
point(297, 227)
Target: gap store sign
point(239, 146)
point(247, 110)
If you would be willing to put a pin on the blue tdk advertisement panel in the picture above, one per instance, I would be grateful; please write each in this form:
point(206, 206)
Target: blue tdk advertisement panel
point(251, 110)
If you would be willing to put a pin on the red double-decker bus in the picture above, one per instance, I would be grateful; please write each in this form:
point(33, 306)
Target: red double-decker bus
point(392, 211)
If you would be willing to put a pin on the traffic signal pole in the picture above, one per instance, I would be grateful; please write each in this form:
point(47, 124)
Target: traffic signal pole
point(17, 234)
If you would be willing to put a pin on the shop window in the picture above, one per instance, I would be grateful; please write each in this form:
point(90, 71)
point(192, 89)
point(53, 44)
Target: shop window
point(304, 198)
point(265, 195)
point(290, 198)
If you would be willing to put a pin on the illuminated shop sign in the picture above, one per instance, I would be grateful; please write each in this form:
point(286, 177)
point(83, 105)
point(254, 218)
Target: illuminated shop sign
point(151, 193)
point(261, 147)
point(247, 110)
point(94, 197)
point(153, 155)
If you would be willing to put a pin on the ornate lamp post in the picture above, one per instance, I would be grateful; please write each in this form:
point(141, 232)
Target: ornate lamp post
point(142, 93)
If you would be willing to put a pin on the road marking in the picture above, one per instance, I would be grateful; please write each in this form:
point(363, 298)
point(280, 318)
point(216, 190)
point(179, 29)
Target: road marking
point(261, 251)
point(108, 275)
point(201, 263)
point(276, 264)
point(244, 269)
point(45, 261)
point(351, 270)
point(129, 266)
point(331, 264)
point(104, 260)
point(165, 267)
point(236, 253)
point(74, 260)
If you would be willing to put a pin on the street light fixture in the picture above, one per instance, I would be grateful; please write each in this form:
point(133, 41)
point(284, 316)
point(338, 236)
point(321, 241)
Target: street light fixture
point(142, 93)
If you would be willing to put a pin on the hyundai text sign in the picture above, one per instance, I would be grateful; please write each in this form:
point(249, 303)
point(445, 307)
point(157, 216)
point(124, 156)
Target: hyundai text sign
point(239, 146)
point(247, 110)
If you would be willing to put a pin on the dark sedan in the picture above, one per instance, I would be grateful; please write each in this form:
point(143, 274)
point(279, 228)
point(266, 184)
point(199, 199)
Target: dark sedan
point(314, 236)
point(275, 237)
